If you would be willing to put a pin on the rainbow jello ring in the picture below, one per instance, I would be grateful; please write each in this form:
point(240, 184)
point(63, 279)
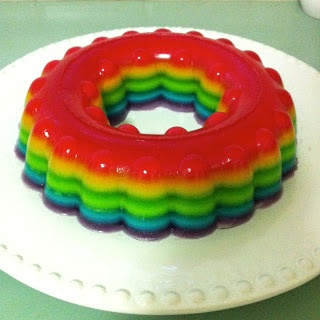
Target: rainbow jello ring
point(177, 180)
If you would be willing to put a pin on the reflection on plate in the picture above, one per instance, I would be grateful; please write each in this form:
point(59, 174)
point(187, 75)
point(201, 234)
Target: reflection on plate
point(275, 251)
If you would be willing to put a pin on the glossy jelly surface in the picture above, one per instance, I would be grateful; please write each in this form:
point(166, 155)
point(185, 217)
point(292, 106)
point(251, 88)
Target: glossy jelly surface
point(149, 183)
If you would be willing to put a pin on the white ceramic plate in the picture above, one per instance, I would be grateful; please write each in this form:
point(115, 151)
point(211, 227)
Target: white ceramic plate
point(277, 250)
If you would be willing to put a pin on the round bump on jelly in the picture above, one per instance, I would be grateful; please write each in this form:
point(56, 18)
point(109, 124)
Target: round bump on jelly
point(72, 50)
point(176, 131)
point(106, 68)
point(231, 97)
point(226, 41)
point(97, 114)
point(253, 55)
point(33, 106)
point(66, 147)
point(182, 58)
point(162, 30)
point(130, 33)
point(285, 98)
point(46, 129)
point(36, 85)
point(234, 156)
point(274, 74)
point(218, 72)
point(215, 119)
point(50, 66)
point(89, 90)
point(99, 39)
point(193, 165)
point(128, 128)
point(147, 167)
point(102, 161)
point(265, 140)
point(141, 57)
point(195, 33)
point(283, 121)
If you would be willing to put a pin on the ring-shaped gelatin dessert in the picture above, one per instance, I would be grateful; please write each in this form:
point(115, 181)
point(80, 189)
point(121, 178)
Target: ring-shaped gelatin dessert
point(148, 183)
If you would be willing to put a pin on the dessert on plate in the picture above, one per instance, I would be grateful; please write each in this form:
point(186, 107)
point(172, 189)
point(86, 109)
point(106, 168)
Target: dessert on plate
point(179, 180)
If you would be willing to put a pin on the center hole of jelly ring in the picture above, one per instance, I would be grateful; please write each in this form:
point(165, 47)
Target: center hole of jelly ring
point(155, 94)
point(158, 116)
